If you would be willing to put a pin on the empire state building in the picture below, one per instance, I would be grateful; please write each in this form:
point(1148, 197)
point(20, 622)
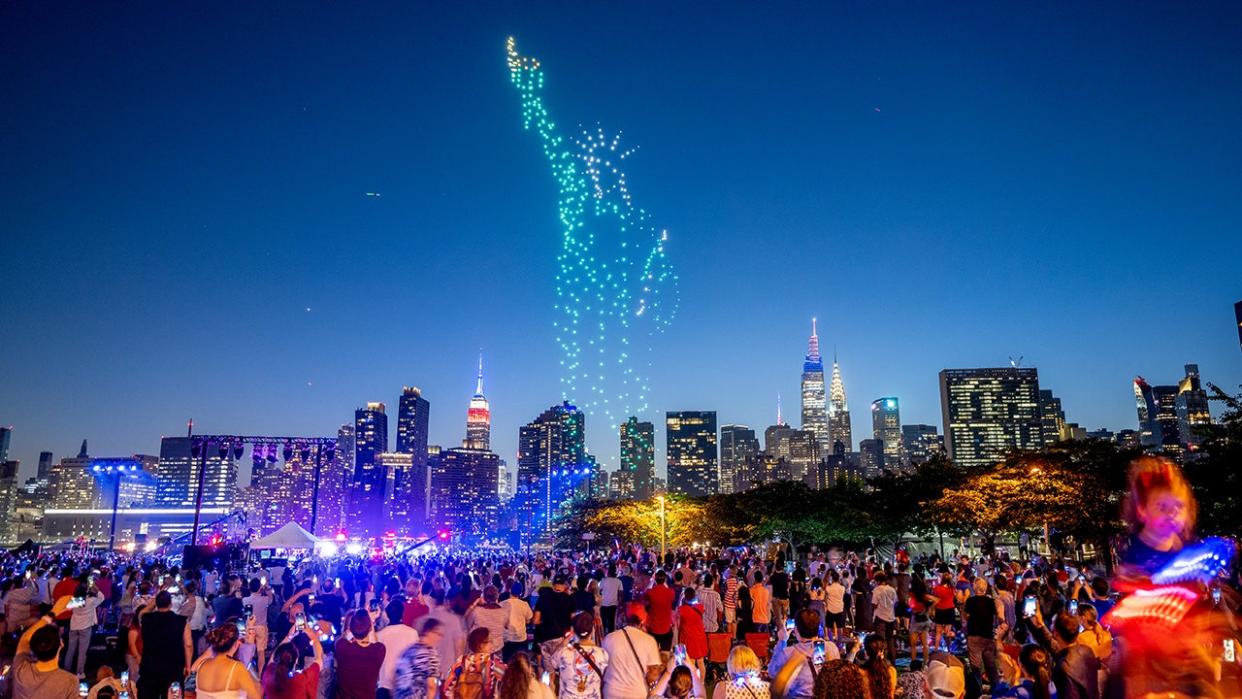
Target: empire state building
point(478, 417)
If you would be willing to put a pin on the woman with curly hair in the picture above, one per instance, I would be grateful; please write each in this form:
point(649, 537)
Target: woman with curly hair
point(841, 679)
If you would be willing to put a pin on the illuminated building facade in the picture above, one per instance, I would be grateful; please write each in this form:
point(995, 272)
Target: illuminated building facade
point(1052, 416)
point(804, 454)
point(839, 429)
point(886, 427)
point(478, 417)
point(1157, 417)
point(693, 468)
point(737, 444)
point(990, 412)
point(413, 412)
point(178, 476)
point(367, 493)
point(553, 467)
point(464, 491)
point(638, 458)
point(1192, 408)
point(814, 401)
point(920, 443)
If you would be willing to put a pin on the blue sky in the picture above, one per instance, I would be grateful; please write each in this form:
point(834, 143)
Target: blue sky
point(942, 185)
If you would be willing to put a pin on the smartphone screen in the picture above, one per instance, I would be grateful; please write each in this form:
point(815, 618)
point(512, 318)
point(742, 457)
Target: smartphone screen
point(83, 689)
point(1216, 595)
point(819, 653)
point(789, 624)
point(1231, 653)
point(1073, 606)
point(300, 620)
point(546, 678)
point(1028, 606)
point(76, 602)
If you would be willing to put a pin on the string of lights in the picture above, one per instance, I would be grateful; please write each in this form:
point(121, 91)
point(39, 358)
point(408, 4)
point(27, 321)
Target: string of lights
point(615, 287)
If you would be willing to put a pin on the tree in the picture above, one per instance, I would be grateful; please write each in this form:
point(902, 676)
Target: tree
point(1216, 475)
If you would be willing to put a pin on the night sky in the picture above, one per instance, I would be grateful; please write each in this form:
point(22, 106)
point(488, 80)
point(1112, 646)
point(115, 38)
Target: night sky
point(943, 185)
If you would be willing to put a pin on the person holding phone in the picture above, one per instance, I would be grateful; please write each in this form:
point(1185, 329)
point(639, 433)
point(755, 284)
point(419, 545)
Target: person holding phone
point(255, 606)
point(167, 651)
point(86, 599)
point(793, 676)
point(35, 673)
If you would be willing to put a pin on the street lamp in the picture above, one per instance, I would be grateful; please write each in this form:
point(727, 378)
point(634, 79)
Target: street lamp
point(662, 552)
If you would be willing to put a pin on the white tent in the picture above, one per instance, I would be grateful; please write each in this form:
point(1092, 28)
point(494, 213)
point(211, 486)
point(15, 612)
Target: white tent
point(290, 536)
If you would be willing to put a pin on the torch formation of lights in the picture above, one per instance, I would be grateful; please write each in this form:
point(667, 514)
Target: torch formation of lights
point(614, 285)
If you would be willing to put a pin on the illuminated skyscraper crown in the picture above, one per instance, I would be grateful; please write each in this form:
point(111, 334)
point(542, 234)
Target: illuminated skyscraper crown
point(479, 416)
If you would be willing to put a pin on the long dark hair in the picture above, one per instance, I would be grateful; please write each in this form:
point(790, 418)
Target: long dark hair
point(284, 660)
point(517, 678)
point(879, 671)
point(1034, 661)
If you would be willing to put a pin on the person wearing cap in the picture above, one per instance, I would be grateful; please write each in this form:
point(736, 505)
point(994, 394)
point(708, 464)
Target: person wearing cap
point(946, 676)
point(633, 655)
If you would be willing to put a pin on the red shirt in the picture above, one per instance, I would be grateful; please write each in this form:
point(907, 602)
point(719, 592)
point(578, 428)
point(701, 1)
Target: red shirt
point(303, 685)
point(64, 588)
point(413, 610)
point(944, 596)
point(660, 609)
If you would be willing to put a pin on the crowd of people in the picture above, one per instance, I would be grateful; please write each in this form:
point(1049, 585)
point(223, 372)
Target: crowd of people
point(622, 623)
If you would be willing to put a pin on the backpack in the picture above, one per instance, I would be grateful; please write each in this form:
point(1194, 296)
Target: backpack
point(473, 683)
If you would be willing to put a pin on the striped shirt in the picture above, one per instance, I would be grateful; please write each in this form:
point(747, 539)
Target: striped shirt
point(730, 595)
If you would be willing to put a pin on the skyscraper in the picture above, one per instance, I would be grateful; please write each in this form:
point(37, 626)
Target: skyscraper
point(872, 453)
point(400, 484)
point(1237, 317)
point(920, 443)
point(1052, 417)
point(990, 412)
point(1159, 428)
point(178, 475)
point(367, 494)
point(45, 465)
point(412, 413)
point(464, 491)
point(776, 436)
point(638, 457)
point(886, 427)
point(410, 485)
point(479, 417)
point(814, 404)
point(691, 449)
point(6, 436)
point(1192, 408)
point(804, 454)
point(838, 411)
point(284, 491)
point(553, 468)
point(737, 444)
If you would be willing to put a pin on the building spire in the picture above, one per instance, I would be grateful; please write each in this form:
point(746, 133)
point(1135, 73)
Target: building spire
point(812, 346)
point(478, 387)
point(779, 420)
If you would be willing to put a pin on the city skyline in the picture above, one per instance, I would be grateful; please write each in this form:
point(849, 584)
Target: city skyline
point(219, 258)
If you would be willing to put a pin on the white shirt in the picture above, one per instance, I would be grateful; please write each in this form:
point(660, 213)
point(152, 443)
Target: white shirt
point(519, 615)
point(610, 592)
point(84, 617)
point(396, 638)
point(625, 678)
point(835, 598)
